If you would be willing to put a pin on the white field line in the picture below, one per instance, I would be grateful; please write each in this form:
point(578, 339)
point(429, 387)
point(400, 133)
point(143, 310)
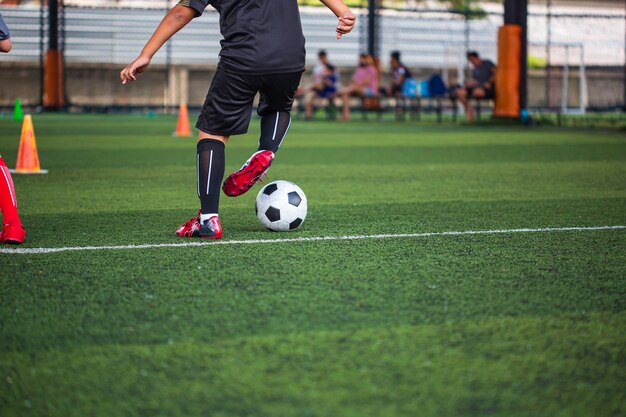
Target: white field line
point(31, 251)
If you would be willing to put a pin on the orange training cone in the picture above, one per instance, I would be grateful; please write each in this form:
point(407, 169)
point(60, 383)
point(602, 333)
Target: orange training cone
point(27, 157)
point(182, 127)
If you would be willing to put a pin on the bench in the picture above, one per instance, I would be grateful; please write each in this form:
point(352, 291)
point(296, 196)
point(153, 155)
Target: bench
point(410, 107)
point(372, 104)
point(424, 96)
point(478, 103)
point(328, 104)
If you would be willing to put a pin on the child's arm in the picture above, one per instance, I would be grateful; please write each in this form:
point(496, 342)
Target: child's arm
point(6, 45)
point(5, 37)
point(174, 20)
point(345, 15)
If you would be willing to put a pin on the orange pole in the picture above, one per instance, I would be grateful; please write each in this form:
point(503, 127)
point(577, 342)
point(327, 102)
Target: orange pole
point(53, 80)
point(508, 73)
point(53, 97)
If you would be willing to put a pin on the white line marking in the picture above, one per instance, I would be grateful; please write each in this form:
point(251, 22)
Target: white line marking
point(303, 239)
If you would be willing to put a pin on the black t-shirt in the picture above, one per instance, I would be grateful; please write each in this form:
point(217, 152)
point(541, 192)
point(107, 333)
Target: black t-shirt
point(401, 72)
point(260, 36)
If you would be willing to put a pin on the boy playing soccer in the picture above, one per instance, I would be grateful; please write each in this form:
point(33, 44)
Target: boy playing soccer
point(12, 230)
point(262, 51)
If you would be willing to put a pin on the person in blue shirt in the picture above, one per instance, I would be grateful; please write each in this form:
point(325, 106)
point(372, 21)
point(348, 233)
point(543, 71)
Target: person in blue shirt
point(324, 88)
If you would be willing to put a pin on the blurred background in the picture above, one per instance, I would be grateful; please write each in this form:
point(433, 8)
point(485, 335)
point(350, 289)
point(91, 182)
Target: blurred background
point(576, 50)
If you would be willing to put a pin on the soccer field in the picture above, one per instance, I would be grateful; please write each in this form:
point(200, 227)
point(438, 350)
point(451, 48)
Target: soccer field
point(372, 308)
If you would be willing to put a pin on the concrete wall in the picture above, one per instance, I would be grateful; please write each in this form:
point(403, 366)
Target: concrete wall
point(98, 86)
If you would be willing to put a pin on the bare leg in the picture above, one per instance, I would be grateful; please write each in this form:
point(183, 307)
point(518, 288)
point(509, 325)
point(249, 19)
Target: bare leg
point(346, 93)
point(204, 135)
point(478, 93)
point(308, 104)
point(464, 99)
point(345, 96)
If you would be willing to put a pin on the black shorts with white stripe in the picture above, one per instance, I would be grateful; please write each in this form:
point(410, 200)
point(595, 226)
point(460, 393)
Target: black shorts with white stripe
point(228, 105)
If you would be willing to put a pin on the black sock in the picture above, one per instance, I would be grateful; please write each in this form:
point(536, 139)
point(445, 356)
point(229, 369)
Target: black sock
point(274, 127)
point(211, 162)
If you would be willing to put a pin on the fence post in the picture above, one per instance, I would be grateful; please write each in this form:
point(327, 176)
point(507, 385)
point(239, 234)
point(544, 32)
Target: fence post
point(548, 70)
point(583, 81)
point(372, 28)
point(42, 24)
point(53, 97)
point(565, 89)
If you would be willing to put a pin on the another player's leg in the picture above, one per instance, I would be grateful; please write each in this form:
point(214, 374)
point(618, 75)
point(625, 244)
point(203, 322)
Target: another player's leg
point(12, 230)
point(210, 171)
point(277, 97)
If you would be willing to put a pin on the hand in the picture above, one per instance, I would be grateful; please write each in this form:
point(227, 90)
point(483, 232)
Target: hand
point(136, 67)
point(346, 23)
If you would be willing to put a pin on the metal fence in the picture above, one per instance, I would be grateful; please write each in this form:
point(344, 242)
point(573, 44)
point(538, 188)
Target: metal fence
point(577, 55)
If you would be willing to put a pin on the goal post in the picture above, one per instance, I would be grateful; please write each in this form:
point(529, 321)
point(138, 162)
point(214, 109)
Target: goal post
point(565, 75)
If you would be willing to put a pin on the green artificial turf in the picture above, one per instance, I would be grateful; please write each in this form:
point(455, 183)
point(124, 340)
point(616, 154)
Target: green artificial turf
point(510, 324)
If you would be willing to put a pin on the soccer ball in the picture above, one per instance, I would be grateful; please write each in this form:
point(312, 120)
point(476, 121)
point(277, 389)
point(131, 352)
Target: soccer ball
point(281, 206)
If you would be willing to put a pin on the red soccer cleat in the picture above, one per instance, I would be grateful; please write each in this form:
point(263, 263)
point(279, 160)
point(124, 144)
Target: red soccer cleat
point(13, 233)
point(211, 229)
point(241, 181)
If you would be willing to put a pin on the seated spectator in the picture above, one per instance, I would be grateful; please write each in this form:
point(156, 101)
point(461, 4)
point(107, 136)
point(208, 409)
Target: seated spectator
point(323, 83)
point(364, 83)
point(399, 75)
point(481, 85)
point(320, 66)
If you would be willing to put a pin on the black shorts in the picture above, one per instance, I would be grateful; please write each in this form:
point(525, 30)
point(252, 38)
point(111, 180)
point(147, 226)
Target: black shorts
point(489, 92)
point(396, 90)
point(228, 105)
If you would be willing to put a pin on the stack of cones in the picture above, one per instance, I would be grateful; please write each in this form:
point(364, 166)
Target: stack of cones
point(182, 127)
point(27, 156)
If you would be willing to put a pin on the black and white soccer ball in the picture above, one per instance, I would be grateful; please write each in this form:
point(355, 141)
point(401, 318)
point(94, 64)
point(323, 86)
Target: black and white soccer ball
point(281, 206)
